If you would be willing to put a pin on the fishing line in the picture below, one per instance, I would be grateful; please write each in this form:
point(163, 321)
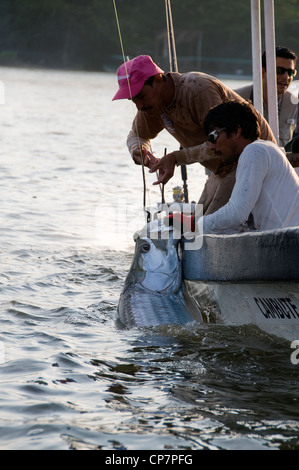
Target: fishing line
point(173, 64)
point(139, 143)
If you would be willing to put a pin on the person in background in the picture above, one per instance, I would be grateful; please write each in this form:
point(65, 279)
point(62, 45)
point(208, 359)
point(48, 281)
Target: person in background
point(178, 103)
point(266, 184)
point(287, 102)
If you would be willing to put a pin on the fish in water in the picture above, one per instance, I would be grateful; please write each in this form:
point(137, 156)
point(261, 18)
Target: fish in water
point(154, 293)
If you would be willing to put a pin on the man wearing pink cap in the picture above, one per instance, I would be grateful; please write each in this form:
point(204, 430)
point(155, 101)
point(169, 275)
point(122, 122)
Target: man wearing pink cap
point(178, 103)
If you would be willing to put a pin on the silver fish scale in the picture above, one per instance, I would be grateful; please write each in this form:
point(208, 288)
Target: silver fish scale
point(139, 307)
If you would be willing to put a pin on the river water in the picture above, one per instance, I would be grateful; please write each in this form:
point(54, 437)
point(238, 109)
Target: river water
point(71, 200)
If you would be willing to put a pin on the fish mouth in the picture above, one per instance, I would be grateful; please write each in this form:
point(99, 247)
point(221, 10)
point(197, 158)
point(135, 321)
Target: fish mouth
point(170, 282)
point(157, 265)
point(161, 265)
point(176, 281)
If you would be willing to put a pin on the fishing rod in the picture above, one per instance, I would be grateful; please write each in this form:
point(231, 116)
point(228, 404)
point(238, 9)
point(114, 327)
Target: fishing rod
point(173, 64)
point(171, 41)
point(148, 215)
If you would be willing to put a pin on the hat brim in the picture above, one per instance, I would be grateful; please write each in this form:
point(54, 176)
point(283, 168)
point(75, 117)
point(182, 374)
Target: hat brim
point(126, 92)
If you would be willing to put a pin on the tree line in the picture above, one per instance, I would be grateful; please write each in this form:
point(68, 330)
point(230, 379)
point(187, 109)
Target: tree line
point(211, 35)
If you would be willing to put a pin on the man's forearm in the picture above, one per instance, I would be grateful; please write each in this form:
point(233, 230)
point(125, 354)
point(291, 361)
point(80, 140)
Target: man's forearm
point(135, 142)
point(198, 154)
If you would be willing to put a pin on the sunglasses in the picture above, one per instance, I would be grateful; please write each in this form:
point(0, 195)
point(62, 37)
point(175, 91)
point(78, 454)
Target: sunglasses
point(282, 71)
point(213, 136)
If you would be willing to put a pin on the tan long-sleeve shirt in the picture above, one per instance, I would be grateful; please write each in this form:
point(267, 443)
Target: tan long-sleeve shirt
point(195, 94)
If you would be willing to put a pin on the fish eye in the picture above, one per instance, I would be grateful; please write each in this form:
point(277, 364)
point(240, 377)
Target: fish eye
point(145, 248)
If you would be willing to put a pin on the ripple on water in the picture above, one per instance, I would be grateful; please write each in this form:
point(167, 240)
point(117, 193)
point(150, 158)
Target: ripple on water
point(69, 378)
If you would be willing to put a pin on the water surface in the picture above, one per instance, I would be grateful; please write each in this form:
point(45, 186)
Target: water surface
point(71, 200)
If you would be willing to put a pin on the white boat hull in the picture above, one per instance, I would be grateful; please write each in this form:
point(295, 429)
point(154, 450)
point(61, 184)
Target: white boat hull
point(273, 307)
point(248, 278)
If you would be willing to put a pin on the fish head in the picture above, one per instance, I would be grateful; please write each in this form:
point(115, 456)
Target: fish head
point(156, 265)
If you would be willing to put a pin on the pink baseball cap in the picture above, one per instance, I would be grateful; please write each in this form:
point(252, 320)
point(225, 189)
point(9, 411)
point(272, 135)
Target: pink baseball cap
point(132, 74)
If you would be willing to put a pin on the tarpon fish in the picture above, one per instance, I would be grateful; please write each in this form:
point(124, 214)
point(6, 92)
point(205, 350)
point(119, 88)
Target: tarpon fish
point(154, 293)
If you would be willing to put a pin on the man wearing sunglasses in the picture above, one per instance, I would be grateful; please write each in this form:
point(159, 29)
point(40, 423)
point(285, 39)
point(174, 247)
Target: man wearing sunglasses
point(287, 103)
point(266, 184)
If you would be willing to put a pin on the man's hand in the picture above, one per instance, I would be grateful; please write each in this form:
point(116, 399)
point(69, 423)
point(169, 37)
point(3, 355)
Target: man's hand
point(165, 166)
point(148, 158)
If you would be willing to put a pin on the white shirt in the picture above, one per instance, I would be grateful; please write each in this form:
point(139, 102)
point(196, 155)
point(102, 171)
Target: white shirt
point(266, 185)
